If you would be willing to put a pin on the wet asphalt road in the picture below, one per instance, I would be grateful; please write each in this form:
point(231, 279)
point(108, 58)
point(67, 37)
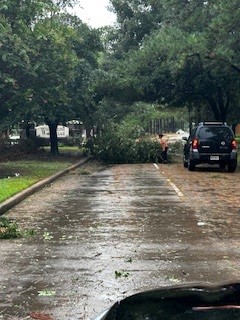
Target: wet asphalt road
point(101, 237)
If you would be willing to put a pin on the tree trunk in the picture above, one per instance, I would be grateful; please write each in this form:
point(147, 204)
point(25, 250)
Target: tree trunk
point(189, 106)
point(88, 133)
point(27, 131)
point(214, 107)
point(53, 136)
point(223, 104)
point(219, 106)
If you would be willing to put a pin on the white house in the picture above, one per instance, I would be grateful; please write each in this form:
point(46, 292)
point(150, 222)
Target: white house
point(43, 131)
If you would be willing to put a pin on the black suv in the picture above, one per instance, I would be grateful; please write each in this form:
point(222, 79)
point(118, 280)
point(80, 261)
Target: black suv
point(212, 143)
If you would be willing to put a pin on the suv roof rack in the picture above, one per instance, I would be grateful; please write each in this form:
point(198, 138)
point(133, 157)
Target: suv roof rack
point(217, 123)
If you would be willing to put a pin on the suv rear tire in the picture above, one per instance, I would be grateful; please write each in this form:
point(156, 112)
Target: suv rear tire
point(191, 165)
point(185, 163)
point(232, 167)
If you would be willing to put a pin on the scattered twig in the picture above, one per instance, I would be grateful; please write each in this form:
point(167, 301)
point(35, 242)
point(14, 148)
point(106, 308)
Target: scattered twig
point(40, 316)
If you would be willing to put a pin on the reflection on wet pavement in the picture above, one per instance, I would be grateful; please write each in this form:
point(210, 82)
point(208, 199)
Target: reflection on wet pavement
point(100, 238)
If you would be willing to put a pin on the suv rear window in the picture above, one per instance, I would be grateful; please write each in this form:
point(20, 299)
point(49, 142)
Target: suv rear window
point(215, 133)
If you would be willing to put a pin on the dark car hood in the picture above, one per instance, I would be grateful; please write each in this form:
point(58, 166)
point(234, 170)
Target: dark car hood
point(189, 302)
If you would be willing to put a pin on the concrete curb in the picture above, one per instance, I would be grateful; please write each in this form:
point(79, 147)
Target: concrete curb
point(13, 201)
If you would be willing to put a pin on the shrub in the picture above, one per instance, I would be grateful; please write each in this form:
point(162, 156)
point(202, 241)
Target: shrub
point(113, 147)
point(31, 144)
point(176, 148)
point(8, 229)
point(72, 141)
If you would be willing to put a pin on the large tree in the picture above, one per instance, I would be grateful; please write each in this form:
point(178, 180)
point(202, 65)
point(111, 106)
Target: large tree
point(136, 20)
point(190, 54)
point(55, 61)
point(88, 48)
point(46, 58)
point(15, 68)
point(17, 21)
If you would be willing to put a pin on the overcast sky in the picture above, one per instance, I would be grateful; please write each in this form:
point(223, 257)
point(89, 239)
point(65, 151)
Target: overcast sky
point(94, 13)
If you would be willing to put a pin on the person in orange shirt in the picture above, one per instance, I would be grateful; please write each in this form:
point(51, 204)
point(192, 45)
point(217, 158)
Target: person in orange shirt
point(163, 140)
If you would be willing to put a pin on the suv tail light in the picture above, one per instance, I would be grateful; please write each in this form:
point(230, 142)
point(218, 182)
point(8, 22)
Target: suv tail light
point(234, 144)
point(195, 144)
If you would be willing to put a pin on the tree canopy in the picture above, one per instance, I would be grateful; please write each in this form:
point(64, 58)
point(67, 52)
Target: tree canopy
point(172, 53)
point(188, 53)
point(42, 53)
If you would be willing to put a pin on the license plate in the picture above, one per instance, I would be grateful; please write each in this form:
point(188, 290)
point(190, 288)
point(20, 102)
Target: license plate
point(214, 158)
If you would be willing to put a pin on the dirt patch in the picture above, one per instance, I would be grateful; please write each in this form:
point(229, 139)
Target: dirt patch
point(212, 193)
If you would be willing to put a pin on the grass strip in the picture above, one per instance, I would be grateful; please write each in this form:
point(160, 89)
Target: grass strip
point(19, 175)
